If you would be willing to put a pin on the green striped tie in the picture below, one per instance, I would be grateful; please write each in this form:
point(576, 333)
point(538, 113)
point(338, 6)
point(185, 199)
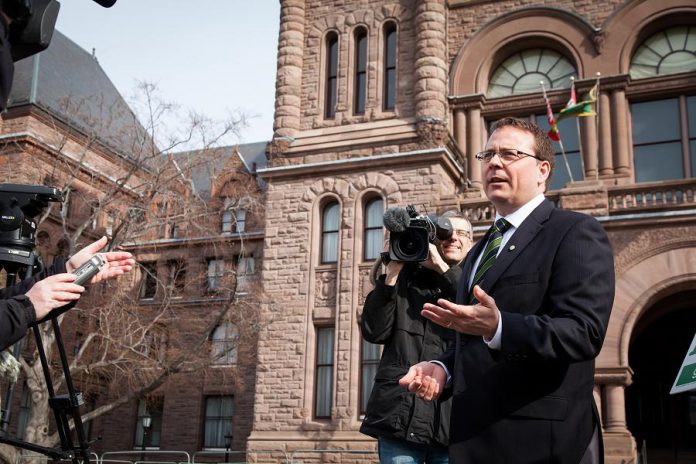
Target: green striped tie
point(489, 254)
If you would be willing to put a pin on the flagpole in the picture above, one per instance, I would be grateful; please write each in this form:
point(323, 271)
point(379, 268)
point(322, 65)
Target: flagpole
point(597, 127)
point(560, 142)
point(577, 127)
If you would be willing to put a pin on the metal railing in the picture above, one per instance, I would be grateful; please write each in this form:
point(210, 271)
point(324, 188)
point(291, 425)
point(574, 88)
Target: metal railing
point(294, 458)
point(230, 456)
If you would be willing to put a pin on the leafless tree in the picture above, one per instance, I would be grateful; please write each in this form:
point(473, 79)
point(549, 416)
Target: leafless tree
point(127, 337)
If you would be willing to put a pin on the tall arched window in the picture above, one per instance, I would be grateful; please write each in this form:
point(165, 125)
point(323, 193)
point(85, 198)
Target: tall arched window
point(331, 75)
point(522, 72)
point(329, 232)
point(374, 210)
point(389, 97)
point(360, 90)
point(670, 51)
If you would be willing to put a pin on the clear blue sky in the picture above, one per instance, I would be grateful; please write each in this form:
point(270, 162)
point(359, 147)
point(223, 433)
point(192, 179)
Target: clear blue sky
point(211, 56)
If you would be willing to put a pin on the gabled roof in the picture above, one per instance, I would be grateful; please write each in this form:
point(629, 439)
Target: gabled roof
point(67, 82)
point(206, 165)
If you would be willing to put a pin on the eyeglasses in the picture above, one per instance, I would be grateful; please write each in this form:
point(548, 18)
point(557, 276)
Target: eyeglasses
point(462, 233)
point(506, 155)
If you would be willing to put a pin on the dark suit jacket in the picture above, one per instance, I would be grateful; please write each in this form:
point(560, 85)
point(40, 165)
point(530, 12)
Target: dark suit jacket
point(531, 401)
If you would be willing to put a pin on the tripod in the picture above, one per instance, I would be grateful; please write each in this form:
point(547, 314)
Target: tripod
point(65, 406)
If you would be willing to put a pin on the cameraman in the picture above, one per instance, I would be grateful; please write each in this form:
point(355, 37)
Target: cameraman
point(409, 429)
point(32, 299)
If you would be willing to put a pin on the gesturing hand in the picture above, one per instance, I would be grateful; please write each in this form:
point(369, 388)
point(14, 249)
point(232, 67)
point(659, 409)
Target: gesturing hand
point(53, 292)
point(117, 262)
point(425, 379)
point(477, 319)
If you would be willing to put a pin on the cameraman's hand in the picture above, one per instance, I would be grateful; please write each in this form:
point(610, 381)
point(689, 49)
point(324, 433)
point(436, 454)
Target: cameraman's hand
point(53, 292)
point(434, 261)
point(393, 270)
point(117, 262)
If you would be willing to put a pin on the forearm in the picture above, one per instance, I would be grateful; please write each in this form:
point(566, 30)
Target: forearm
point(379, 312)
point(16, 315)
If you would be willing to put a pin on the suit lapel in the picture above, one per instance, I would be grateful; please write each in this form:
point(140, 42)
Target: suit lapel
point(518, 242)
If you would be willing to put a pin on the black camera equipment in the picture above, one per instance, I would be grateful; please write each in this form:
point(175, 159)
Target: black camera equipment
point(410, 233)
point(26, 29)
point(19, 205)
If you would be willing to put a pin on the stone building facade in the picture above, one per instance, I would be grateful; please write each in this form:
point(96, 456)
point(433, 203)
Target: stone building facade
point(347, 133)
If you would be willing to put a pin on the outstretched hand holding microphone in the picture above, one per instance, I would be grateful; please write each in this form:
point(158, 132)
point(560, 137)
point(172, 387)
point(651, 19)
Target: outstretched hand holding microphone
point(60, 289)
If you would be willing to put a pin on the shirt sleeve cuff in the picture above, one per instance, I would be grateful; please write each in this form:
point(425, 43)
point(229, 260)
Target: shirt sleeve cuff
point(495, 342)
point(449, 377)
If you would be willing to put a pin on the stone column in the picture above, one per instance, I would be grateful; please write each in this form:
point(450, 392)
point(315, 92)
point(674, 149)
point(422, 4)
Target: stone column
point(473, 146)
point(430, 66)
point(588, 133)
point(616, 408)
point(289, 78)
point(606, 162)
point(620, 139)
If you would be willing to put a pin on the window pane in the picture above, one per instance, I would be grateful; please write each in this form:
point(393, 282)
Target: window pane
point(219, 412)
point(373, 229)
point(691, 112)
point(390, 88)
point(374, 213)
point(330, 221)
point(227, 221)
point(655, 121)
point(560, 177)
point(360, 84)
point(370, 355)
point(569, 136)
point(324, 371)
point(522, 72)
point(361, 52)
point(668, 51)
point(390, 48)
point(658, 162)
point(389, 97)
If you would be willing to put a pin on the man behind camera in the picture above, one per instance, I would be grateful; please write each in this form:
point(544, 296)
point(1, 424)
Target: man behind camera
point(408, 428)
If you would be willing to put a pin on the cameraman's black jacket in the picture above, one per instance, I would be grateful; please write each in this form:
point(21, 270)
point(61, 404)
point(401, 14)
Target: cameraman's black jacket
point(391, 317)
point(16, 311)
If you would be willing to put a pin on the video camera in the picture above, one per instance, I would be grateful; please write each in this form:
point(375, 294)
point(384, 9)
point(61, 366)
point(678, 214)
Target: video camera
point(19, 205)
point(26, 28)
point(410, 233)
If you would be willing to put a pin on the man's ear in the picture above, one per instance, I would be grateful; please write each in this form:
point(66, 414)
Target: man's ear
point(543, 172)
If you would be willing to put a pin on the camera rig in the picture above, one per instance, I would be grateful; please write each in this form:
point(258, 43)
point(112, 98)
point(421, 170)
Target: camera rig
point(411, 233)
point(19, 205)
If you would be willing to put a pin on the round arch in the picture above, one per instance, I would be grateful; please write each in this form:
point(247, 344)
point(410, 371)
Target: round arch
point(654, 278)
point(562, 31)
point(634, 22)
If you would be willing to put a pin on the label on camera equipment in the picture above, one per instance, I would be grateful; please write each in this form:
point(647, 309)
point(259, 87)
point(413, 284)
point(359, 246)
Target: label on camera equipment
point(89, 269)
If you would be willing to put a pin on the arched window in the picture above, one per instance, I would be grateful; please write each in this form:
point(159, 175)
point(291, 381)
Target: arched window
point(522, 72)
point(373, 236)
point(331, 75)
point(389, 97)
point(329, 232)
point(360, 90)
point(670, 51)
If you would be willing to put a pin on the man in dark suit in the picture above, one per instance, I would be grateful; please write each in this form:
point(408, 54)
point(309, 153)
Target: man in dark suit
point(533, 307)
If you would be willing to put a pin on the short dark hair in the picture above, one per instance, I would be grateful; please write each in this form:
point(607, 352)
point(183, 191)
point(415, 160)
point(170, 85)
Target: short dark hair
point(542, 143)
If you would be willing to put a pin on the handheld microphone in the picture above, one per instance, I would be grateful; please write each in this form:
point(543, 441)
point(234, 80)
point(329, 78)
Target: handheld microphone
point(89, 269)
point(396, 219)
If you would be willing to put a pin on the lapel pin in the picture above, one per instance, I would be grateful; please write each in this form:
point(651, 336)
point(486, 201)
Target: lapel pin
point(512, 247)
